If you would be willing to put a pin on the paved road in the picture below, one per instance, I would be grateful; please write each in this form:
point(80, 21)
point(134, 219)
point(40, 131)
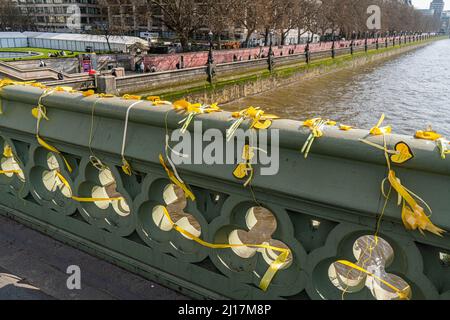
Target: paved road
point(33, 267)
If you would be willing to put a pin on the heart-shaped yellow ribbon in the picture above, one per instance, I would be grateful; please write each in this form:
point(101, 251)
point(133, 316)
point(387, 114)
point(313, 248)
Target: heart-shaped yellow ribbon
point(404, 153)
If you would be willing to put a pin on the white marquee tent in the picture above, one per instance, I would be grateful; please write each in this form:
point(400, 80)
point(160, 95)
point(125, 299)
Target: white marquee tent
point(66, 41)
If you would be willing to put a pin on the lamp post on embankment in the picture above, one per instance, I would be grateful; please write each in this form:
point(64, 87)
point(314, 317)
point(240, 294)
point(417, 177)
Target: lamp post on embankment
point(333, 46)
point(366, 47)
point(270, 60)
point(352, 43)
point(307, 52)
point(211, 68)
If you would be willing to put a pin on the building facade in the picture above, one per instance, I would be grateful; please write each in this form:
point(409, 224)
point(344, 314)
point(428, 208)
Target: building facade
point(134, 16)
point(61, 15)
point(445, 27)
point(438, 7)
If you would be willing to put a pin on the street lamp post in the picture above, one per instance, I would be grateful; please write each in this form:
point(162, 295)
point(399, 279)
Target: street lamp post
point(270, 60)
point(353, 42)
point(211, 67)
point(333, 47)
point(366, 47)
point(378, 41)
point(307, 53)
point(393, 39)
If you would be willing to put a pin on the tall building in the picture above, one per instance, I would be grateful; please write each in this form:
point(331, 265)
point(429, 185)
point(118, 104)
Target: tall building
point(61, 15)
point(438, 7)
point(134, 16)
point(445, 22)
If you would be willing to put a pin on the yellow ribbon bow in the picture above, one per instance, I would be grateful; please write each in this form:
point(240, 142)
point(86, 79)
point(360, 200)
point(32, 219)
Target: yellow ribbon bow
point(131, 97)
point(413, 215)
point(156, 100)
point(378, 130)
point(344, 127)
point(260, 120)
point(428, 134)
point(192, 110)
point(316, 126)
point(88, 93)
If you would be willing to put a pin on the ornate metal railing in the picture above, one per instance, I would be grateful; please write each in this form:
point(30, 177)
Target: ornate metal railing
point(324, 209)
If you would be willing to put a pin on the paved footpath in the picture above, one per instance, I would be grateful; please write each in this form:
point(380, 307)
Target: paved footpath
point(33, 267)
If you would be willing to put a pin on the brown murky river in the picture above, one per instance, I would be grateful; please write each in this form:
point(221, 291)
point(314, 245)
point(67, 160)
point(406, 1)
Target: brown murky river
point(413, 90)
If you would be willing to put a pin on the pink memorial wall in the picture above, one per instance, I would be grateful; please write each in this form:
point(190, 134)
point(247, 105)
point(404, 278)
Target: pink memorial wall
point(196, 59)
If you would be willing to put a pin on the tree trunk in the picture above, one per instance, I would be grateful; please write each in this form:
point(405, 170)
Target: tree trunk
point(109, 44)
point(266, 38)
point(184, 41)
point(247, 38)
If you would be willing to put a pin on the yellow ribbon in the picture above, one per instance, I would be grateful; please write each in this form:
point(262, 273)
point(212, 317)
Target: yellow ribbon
point(175, 180)
point(273, 268)
point(9, 82)
point(9, 171)
point(131, 97)
point(88, 93)
point(79, 199)
point(40, 112)
point(378, 130)
point(428, 135)
point(402, 294)
point(260, 120)
point(413, 215)
point(242, 170)
point(316, 126)
point(192, 110)
point(344, 127)
point(8, 153)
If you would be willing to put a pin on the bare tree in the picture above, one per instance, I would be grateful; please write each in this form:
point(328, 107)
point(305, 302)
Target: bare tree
point(184, 17)
point(12, 18)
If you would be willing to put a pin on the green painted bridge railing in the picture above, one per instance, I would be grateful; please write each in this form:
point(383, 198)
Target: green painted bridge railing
point(324, 209)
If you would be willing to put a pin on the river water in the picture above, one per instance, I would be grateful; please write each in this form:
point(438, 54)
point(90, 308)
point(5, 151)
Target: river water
point(413, 90)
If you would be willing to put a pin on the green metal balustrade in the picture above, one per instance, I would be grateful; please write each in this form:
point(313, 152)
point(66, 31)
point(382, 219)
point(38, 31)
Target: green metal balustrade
point(324, 208)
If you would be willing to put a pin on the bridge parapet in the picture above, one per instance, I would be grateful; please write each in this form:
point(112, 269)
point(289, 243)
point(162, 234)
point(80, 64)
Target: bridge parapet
point(324, 209)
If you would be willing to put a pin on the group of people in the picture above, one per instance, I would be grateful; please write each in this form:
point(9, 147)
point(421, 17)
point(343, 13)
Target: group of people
point(56, 54)
point(140, 68)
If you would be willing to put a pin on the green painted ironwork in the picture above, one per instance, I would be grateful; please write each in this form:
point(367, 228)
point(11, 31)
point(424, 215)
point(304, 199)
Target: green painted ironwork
point(321, 205)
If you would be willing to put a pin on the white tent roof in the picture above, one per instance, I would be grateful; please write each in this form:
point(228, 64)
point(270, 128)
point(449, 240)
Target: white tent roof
point(126, 40)
point(13, 35)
